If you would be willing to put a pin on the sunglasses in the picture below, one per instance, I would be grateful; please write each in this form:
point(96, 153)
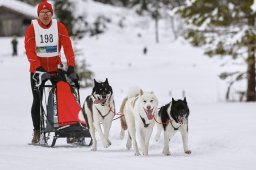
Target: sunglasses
point(45, 13)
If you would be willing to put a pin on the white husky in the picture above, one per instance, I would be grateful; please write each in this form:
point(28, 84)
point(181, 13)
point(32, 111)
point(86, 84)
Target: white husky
point(139, 109)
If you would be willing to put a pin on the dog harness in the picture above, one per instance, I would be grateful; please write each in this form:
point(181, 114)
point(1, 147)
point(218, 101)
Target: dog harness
point(175, 128)
point(144, 122)
point(103, 116)
point(171, 122)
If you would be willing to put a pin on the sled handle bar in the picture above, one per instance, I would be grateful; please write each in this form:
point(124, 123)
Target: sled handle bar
point(54, 74)
point(73, 85)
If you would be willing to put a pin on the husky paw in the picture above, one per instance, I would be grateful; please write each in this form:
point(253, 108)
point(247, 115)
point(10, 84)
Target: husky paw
point(128, 146)
point(188, 152)
point(106, 144)
point(94, 148)
point(145, 154)
point(166, 152)
point(137, 154)
point(109, 142)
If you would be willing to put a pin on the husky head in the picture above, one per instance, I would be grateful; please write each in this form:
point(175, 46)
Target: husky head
point(180, 111)
point(101, 92)
point(149, 104)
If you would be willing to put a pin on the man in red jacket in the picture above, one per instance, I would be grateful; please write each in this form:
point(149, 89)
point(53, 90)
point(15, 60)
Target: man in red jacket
point(43, 41)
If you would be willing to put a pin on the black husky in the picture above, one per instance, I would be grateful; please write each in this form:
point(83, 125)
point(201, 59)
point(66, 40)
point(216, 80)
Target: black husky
point(100, 108)
point(173, 117)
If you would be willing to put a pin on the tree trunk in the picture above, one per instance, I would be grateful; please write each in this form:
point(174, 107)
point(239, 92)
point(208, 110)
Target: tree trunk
point(250, 95)
point(175, 33)
point(156, 29)
point(156, 21)
point(144, 5)
point(251, 83)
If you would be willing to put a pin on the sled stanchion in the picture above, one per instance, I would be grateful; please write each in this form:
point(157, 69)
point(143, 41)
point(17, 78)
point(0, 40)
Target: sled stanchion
point(54, 141)
point(90, 144)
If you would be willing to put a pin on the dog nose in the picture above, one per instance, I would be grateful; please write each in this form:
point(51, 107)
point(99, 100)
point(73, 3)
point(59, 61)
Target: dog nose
point(148, 107)
point(104, 96)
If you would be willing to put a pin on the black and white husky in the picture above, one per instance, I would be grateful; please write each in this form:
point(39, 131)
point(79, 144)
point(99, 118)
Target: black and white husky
point(100, 108)
point(171, 118)
point(139, 109)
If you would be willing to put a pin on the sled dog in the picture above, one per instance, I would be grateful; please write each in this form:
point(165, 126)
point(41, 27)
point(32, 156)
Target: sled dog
point(171, 118)
point(139, 109)
point(100, 108)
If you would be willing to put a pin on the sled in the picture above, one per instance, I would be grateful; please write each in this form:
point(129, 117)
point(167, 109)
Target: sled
point(61, 115)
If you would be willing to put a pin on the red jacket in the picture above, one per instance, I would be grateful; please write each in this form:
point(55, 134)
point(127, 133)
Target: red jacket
point(48, 63)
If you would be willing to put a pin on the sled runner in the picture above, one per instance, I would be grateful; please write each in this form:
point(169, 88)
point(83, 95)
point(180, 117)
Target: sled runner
point(60, 112)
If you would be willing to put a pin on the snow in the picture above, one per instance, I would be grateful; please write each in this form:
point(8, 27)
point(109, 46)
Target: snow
point(221, 135)
point(21, 7)
point(254, 6)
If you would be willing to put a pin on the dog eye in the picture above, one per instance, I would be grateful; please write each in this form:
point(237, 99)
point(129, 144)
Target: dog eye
point(151, 101)
point(144, 101)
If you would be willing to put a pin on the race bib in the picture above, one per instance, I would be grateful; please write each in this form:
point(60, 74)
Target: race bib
point(47, 40)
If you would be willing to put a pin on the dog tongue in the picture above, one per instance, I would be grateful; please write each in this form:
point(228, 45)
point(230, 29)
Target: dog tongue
point(183, 119)
point(149, 113)
point(98, 101)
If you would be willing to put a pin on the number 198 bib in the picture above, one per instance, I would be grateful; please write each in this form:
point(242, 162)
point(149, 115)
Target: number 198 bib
point(47, 40)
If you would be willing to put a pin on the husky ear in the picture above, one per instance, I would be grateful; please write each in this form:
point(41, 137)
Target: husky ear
point(173, 101)
point(141, 92)
point(185, 100)
point(95, 82)
point(106, 81)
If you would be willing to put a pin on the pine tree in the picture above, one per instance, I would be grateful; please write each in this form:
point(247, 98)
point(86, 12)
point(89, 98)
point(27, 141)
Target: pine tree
point(156, 16)
point(105, 1)
point(225, 28)
point(85, 75)
point(31, 2)
point(76, 27)
point(64, 12)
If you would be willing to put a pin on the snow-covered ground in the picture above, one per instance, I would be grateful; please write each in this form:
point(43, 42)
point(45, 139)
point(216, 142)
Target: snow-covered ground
point(221, 135)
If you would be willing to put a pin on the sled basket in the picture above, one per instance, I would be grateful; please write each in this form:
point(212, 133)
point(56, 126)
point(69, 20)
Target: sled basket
point(62, 114)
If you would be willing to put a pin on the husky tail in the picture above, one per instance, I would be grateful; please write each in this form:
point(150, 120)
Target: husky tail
point(134, 92)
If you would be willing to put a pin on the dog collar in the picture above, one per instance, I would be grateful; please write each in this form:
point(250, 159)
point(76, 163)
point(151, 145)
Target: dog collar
point(171, 122)
point(175, 128)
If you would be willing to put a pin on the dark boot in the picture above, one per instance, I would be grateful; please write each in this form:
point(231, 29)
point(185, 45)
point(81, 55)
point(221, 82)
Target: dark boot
point(36, 137)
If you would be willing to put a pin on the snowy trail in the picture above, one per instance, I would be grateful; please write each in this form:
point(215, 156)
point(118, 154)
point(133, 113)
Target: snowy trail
point(221, 135)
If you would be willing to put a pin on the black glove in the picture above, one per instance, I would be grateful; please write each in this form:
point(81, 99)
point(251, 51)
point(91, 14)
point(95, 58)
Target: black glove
point(71, 74)
point(41, 76)
point(70, 70)
point(41, 69)
point(73, 77)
